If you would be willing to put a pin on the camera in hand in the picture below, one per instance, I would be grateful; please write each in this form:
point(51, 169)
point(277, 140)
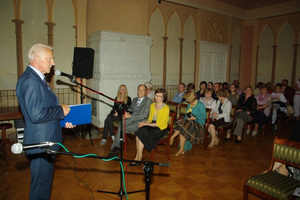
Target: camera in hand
point(189, 114)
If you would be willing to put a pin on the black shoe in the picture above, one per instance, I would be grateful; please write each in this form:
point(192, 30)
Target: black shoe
point(237, 141)
point(111, 155)
point(226, 139)
point(134, 164)
point(115, 150)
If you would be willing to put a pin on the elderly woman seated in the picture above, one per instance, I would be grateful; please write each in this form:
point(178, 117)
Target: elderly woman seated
point(191, 128)
point(220, 115)
point(263, 108)
point(208, 101)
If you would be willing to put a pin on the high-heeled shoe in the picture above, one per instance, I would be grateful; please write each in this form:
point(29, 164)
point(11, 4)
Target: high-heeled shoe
point(178, 153)
point(134, 164)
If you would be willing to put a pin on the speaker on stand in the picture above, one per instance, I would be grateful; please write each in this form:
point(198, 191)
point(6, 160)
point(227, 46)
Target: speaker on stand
point(83, 64)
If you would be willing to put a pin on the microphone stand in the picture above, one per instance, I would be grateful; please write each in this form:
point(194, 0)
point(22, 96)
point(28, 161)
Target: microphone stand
point(121, 112)
point(88, 128)
point(148, 169)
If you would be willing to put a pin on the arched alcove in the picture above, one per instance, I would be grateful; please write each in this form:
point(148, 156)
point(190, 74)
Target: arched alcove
point(156, 31)
point(173, 34)
point(8, 65)
point(235, 54)
point(284, 58)
point(265, 55)
point(188, 58)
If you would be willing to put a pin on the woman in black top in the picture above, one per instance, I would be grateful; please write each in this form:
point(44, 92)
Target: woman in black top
point(245, 110)
point(114, 115)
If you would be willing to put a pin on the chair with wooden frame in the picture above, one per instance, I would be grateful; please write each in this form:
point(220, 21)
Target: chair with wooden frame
point(174, 107)
point(273, 185)
point(166, 138)
point(223, 129)
point(207, 120)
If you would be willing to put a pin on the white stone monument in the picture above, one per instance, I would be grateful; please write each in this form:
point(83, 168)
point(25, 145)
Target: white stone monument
point(120, 58)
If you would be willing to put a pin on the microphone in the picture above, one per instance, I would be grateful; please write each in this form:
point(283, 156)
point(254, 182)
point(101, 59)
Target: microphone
point(18, 148)
point(71, 77)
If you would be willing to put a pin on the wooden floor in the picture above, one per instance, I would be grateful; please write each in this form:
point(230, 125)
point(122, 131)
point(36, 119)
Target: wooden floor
point(218, 173)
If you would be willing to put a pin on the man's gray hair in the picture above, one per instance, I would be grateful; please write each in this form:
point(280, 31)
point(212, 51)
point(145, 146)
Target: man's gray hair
point(36, 49)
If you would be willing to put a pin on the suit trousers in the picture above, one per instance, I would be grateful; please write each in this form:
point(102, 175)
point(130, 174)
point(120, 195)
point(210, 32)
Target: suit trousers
point(109, 126)
point(41, 169)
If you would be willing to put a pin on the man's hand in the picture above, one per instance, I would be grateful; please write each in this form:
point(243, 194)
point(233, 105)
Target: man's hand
point(69, 125)
point(66, 109)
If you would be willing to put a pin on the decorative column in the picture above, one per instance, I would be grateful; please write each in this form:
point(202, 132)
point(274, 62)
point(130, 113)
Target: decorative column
point(75, 27)
point(240, 60)
point(229, 64)
point(256, 63)
point(195, 59)
point(180, 59)
point(274, 63)
point(294, 63)
point(50, 34)
point(18, 27)
point(164, 62)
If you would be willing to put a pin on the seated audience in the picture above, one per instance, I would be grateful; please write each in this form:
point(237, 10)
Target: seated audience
point(257, 88)
point(216, 88)
point(279, 105)
point(225, 85)
point(220, 115)
point(220, 85)
point(282, 90)
point(290, 92)
point(263, 108)
point(269, 87)
point(189, 87)
point(137, 112)
point(150, 93)
point(154, 128)
point(236, 83)
point(178, 96)
point(208, 101)
point(202, 87)
point(191, 128)
point(122, 95)
point(297, 99)
point(245, 110)
point(210, 85)
point(233, 95)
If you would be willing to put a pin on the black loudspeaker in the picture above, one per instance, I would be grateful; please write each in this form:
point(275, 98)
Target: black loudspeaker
point(83, 62)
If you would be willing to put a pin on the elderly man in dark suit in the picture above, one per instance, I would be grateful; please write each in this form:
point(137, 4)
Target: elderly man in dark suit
point(42, 115)
point(139, 108)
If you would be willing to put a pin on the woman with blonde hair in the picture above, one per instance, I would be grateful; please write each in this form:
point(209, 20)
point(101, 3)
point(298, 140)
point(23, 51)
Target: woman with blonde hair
point(191, 128)
point(114, 115)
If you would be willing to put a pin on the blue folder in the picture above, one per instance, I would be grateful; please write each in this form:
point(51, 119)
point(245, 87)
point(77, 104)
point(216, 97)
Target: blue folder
point(78, 115)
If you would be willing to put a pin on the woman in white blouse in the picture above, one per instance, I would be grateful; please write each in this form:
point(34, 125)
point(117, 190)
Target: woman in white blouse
point(208, 101)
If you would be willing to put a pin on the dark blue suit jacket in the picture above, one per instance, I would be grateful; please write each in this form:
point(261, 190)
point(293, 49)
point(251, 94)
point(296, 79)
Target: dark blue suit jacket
point(41, 110)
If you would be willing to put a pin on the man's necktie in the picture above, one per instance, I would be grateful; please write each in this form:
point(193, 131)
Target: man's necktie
point(44, 80)
point(137, 106)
